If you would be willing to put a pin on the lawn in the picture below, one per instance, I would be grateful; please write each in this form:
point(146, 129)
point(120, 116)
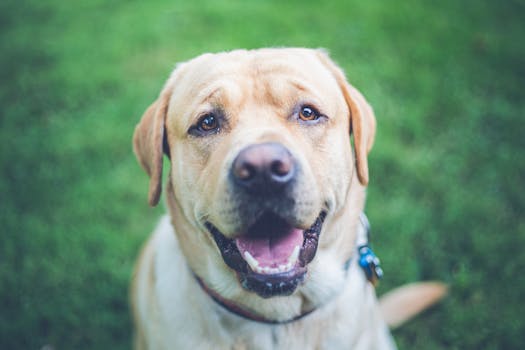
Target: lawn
point(446, 197)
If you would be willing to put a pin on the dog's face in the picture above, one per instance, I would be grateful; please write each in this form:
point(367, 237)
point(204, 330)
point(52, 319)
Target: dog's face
point(263, 187)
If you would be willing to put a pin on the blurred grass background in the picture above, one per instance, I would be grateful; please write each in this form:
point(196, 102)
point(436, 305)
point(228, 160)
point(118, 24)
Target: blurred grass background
point(446, 199)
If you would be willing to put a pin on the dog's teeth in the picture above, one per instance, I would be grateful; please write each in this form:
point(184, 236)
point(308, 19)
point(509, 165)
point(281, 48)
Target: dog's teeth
point(267, 270)
point(254, 264)
point(295, 255)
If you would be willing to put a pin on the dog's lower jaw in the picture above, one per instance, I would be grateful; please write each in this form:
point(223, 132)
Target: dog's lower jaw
point(273, 285)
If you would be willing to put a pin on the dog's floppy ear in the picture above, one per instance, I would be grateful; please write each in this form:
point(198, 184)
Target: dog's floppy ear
point(362, 119)
point(149, 142)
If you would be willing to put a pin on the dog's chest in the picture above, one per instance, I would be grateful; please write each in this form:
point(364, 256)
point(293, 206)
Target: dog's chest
point(338, 326)
point(268, 337)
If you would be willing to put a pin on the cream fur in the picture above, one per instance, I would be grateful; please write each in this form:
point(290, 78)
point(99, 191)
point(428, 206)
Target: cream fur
point(259, 90)
point(189, 319)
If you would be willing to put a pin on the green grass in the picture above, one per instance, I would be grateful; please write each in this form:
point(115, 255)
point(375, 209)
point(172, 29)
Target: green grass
point(446, 199)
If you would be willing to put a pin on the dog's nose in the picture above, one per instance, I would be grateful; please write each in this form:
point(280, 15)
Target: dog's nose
point(263, 167)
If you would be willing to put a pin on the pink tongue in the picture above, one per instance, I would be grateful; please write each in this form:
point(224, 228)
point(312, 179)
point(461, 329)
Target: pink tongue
point(271, 252)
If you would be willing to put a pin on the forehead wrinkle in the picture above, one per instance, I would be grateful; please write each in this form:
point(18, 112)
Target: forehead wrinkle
point(285, 92)
point(303, 86)
point(208, 94)
point(309, 93)
point(222, 93)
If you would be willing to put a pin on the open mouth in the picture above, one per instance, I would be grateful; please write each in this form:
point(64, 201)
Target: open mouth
point(270, 258)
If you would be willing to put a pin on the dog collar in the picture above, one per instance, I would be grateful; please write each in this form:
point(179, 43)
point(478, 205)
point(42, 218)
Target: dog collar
point(368, 262)
point(239, 311)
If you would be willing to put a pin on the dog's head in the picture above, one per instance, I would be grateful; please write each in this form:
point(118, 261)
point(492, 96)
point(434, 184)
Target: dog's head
point(264, 189)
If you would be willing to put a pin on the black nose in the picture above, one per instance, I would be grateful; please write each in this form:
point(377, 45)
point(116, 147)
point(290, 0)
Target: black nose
point(264, 167)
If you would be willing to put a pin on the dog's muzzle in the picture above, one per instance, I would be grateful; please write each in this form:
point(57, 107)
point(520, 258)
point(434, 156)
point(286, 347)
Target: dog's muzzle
point(271, 255)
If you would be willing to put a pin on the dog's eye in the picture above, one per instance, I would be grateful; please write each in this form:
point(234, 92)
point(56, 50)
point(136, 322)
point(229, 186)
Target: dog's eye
point(308, 114)
point(207, 124)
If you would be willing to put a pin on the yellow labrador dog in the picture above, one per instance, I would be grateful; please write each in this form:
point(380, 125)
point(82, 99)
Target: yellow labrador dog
point(264, 194)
